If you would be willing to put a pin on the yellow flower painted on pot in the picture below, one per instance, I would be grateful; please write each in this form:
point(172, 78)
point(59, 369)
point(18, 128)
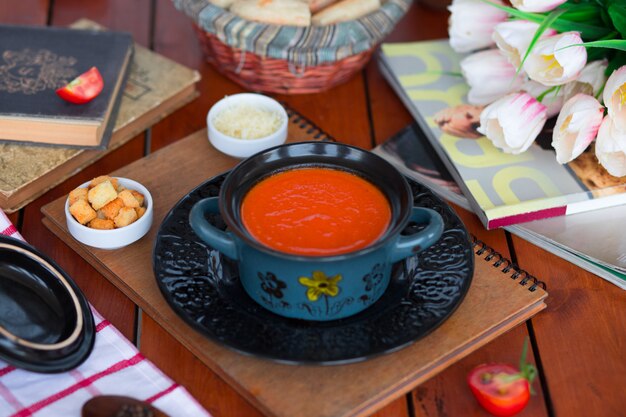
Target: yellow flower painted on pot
point(320, 285)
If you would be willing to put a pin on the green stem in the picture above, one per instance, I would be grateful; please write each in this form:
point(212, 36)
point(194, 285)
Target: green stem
point(545, 93)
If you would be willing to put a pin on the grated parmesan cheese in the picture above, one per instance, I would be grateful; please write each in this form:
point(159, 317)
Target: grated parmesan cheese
point(243, 121)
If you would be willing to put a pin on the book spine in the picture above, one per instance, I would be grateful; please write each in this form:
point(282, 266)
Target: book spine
point(506, 266)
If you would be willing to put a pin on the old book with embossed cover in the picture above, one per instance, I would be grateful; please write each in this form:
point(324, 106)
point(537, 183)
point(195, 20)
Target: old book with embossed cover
point(156, 87)
point(36, 61)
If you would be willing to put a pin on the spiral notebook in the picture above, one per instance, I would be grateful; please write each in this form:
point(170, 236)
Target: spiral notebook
point(501, 297)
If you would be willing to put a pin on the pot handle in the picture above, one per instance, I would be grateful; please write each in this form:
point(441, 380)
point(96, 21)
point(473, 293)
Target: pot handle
point(406, 246)
point(218, 239)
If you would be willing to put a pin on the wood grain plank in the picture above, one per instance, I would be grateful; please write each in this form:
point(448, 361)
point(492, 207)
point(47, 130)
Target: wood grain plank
point(182, 366)
point(24, 12)
point(133, 17)
point(449, 395)
point(176, 40)
point(108, 300)
point(128, 16)
point(398, 408)
point(581, 336)
point(281, 390)
point(342, 111)
point(446, 394)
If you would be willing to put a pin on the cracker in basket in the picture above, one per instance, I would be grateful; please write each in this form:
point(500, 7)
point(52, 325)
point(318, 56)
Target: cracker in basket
point(275, 12)
point(224, 4)
point(317, 5)
point(345, 10)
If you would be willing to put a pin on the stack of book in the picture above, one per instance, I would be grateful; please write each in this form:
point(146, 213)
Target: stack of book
point(561, 208)
point(46, 140)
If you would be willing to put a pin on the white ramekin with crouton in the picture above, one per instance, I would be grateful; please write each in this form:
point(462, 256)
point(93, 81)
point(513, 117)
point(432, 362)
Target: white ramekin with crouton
point(109, 212)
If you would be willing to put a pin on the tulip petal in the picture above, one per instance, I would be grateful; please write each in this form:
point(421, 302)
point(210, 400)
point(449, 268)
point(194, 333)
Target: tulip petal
point(611, 148)
point(490, 76)
point(615, 97)
point(513, 38)
point(554, 61)
point(513, 122)
point(471, 24)
point(536, 5)
point(576, 127)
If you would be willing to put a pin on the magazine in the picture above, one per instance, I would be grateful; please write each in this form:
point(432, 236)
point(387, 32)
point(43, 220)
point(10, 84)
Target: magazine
point(502, 189)
point(585, 239)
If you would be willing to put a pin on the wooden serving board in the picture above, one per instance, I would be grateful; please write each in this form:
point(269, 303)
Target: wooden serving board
point(494, 304)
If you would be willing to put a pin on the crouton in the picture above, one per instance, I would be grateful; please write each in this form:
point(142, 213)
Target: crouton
point(101, 179)
point(129, 199)
point(126, 216)
point(102, 224)
point(112, 209)
point(82, 211)
point(140, 211)
point(78, 194)
point(101, 195)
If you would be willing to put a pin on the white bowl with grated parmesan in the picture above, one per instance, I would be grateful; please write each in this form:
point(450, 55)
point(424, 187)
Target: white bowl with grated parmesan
point(244, 124)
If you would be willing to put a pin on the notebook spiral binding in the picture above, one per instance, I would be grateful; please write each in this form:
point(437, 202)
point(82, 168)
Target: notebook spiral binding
point(304, 123)
point(524, 277)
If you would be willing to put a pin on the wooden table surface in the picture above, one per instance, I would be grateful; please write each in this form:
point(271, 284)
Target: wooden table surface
point(578, 343)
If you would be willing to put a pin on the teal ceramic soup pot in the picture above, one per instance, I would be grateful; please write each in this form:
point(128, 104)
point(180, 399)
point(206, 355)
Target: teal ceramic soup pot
point(316, 288)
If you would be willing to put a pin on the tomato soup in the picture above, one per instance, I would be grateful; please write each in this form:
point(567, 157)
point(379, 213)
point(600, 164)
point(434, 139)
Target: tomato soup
point(315, 212)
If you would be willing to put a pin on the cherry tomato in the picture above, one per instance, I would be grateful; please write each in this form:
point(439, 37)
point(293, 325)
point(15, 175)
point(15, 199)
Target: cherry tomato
point(500, 389)
point(83, 88)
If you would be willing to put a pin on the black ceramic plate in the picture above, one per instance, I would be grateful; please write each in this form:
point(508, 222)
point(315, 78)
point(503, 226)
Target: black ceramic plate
point(203, 288)
point(46, 324)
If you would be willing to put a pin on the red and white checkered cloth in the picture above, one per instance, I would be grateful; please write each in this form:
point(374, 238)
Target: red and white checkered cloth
point(115, 367)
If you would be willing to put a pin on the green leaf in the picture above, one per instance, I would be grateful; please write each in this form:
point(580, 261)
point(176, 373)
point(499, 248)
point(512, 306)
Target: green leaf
point(589, 32)
point(619, 44)
point(618, 61)
point(588, 13)
point(542, 28)
point(528, 370)
point(617, 11)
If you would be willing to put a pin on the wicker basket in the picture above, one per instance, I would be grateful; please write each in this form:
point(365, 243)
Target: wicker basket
point(288, 59)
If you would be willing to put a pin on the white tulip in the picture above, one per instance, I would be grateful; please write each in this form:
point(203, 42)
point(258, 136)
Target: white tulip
point(513, 122)
point(552, 99)
point(536, 5)
point(471, 24)
point(576, 127)
point(590, 80)
point(490, 76)
point(611, 147)
point(553, 61)
point(513, 38)
point(615, 97)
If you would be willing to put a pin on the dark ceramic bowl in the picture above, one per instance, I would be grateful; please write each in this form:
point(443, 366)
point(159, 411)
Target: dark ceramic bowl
point(315, 287)
point(45, 321)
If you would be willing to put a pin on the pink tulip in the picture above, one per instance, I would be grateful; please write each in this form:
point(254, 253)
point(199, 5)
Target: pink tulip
point(611, 147)
point(554, 61)
point(471, 24)
point(536, 5)
point(615, 97)
point(553, 99)
point(490, 76)
point(576, 127)
point(590, 80)
point(513, 38)
point(513, 122)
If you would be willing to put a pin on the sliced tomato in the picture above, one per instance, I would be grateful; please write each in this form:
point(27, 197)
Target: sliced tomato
point(83, 88)
point(500, 389)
